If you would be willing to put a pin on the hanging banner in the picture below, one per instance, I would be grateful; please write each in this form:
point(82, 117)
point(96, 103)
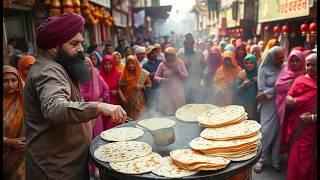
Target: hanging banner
point(272, 10)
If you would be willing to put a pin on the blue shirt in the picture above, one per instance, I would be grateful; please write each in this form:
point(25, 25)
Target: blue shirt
point(152, 67)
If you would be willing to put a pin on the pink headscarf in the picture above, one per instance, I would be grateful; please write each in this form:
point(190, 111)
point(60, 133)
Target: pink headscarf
point(93, 90)
point(285, 80)
point(240, 45)
point(214, 65)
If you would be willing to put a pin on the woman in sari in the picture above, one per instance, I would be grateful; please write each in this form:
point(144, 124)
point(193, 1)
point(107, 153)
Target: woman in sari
point(95, 90)
point(213, 62)
point(117, 60)
point(270, 127)
point(13, 131)
point(294, 68)
point(170, 74)
point(240, 53)
point(133, 82)
point(256, 51)
point(24, 65)
point(300, 127)
point(95, 61)
point(246, 87)
point(223, 79)
point(111, 75)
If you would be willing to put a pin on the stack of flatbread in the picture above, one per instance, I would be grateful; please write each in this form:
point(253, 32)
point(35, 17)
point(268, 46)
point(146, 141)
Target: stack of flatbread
point(171, 170)
point(121, 134)
point(190, 112)
point(192, 160)
point(234, 149)
point(130, 157)
point(222, 116)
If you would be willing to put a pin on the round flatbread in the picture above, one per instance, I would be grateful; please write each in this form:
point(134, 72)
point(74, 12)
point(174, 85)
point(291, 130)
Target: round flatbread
point(138, 166)
point(171, 170)
point(156, 123)
point(121, 134)
point(122, 151)
point(190, 112)
point(191, 157)
point(244, 158)
point(246, 128)
point(205, 144)
point(222, 115)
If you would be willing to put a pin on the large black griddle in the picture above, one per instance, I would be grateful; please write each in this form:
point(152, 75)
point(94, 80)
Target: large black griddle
point(185, 132)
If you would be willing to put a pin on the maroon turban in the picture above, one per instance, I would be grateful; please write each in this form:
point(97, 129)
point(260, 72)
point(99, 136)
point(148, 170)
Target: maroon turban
point(59, 29)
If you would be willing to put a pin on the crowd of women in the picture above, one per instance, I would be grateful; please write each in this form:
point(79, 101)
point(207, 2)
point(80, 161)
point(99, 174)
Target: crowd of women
point(276, 89)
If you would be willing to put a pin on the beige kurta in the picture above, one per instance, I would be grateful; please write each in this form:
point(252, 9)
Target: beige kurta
point(58, 133)
point(195, 66)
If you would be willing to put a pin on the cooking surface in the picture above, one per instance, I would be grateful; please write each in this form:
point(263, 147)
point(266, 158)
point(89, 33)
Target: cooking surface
point(184, 132)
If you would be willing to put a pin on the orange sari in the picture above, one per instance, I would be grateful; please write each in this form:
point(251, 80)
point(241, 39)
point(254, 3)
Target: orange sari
point(223, 80)
point(136, 98)
point(13, 163)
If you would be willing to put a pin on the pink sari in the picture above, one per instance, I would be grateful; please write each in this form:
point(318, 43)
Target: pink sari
point(284, 81)
point(299, 138)
point(91, 91)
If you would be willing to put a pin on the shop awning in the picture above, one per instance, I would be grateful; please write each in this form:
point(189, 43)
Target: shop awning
point(157, 12)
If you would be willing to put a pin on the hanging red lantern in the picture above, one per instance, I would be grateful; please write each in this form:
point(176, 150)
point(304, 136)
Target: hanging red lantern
point(67, 6)
point(241, 30)
point(266, 28)
point(304, 28)
point(313, 28)
point(276, 29)
point(55, 8)
point(285, 29)
point(237, 30)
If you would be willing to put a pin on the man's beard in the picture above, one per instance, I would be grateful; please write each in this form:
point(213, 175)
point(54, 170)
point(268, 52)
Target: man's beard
point(76, 66)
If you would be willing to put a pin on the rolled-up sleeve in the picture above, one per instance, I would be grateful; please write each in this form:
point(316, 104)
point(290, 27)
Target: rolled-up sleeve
point(54, 92)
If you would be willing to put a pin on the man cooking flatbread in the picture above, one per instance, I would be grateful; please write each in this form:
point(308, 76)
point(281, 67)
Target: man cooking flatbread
point(57, 120)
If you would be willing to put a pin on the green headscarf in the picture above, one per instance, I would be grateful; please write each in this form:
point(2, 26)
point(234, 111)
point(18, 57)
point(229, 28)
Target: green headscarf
point(251, 74)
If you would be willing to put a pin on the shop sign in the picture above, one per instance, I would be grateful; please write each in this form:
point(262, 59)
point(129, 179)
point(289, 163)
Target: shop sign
point(272, 10)
point(104, 3)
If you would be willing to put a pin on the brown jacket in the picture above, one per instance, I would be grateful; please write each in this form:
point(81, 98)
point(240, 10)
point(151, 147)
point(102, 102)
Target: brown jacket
point(58, 130)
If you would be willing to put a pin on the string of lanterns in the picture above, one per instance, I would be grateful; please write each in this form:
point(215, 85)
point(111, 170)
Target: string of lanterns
point(92, 14)
point(304, 28)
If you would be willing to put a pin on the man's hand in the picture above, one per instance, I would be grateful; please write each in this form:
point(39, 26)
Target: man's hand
point(117, 113)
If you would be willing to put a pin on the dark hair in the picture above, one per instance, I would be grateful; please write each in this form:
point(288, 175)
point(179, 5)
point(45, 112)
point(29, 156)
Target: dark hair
point(108, 45)
point(12, 39)
point(92, 47)
point(188, 35)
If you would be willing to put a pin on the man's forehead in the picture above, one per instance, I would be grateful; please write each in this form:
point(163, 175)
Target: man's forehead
point(77, 37)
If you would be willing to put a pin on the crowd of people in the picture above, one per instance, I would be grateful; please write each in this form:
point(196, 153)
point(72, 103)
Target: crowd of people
point(70, 93)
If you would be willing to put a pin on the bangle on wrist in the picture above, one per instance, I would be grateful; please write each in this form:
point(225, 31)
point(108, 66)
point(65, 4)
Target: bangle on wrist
point(4, 138)
point(312, 116)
